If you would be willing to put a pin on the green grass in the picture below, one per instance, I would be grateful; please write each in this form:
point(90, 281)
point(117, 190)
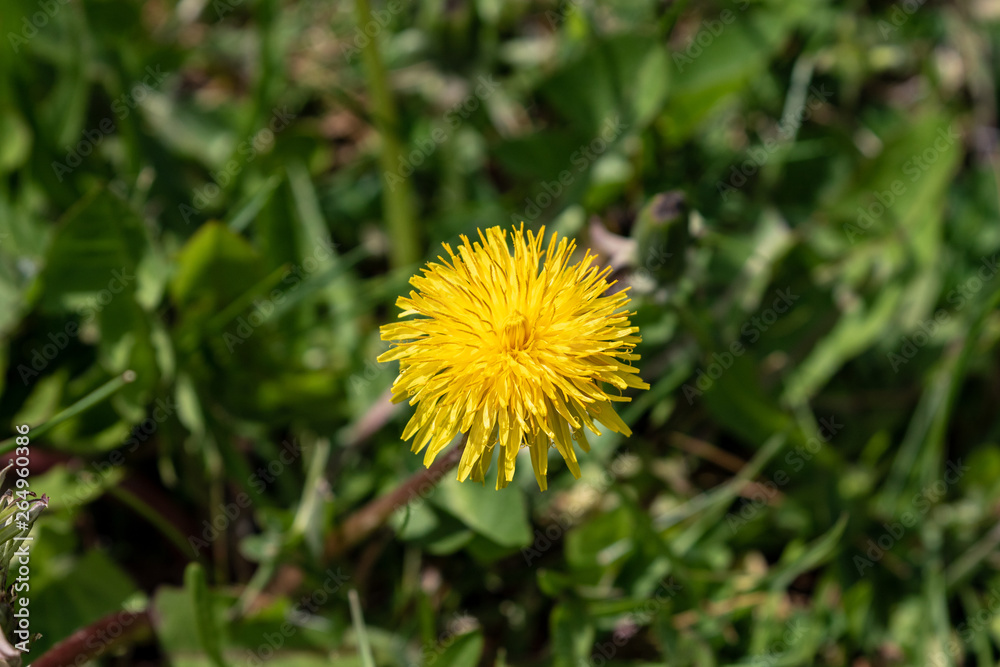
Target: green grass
point(225, 198)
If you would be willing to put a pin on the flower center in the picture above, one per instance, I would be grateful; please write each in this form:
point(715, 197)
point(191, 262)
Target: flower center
point(515, 334)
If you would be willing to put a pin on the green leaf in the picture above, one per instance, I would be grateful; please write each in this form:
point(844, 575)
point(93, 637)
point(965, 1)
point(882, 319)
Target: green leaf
point(16, 146)
point(217, 266)
point(94, 255)
point(600, 542)
point(709, 76)
point(502, 517)
point(625, 75)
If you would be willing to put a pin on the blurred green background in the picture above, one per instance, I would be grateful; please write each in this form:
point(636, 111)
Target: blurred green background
point(226, 196)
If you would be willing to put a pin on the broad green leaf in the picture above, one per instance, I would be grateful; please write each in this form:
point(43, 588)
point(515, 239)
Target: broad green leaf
point(717, 70)
point(502, 517)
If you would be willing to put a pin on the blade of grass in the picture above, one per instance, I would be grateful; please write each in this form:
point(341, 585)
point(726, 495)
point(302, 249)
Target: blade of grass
point(245, 214)
point(90, 400)
point(397, 199)
point(261, 577)
point(340, 290)
point(812, 556)
point(718, 497)
point(309, 517)
point(963, 566)
point(936, 589)
point(319, 280)
point(364, 646)
point(244, 301)
point(926, 431)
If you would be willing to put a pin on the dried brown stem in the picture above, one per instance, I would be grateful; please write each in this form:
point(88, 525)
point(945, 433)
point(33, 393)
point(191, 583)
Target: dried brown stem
point(707, 451)
point(369, 518)
point(121, 627)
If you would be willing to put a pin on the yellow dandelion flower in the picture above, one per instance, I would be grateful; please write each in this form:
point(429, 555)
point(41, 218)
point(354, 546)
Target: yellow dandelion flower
point(514, 350)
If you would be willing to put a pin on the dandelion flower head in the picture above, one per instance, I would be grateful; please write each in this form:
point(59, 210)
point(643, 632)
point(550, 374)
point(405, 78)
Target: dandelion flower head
point(516, 350)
